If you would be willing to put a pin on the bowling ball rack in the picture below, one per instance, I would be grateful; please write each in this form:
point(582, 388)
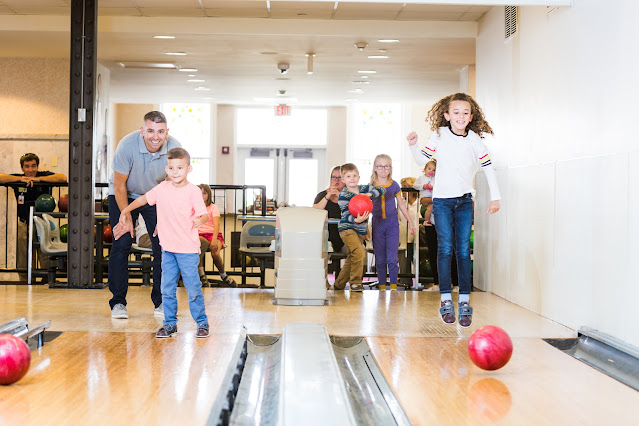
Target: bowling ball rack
point(34, 337)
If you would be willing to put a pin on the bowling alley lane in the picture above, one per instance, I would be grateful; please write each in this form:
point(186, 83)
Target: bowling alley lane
point(436, 383)
point(119, 378)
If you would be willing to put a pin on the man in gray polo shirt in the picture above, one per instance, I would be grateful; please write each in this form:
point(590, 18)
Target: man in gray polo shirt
point(138, 166)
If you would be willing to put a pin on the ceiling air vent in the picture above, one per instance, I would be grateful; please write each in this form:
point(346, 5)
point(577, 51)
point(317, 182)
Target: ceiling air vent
point(510, 22)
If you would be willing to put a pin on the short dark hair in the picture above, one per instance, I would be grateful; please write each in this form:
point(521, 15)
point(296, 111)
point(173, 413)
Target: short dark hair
point(178, 153)
point(29, 157)
point(155, 116)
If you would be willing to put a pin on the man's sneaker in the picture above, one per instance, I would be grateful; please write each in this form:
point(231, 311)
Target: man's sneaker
point(465, 314)
point(447, 311)
point(202, 331)
point(204, 280)
point(119, 311)
point(166, 331)
point(159, 311)
point(229, 282)
point(357, 288)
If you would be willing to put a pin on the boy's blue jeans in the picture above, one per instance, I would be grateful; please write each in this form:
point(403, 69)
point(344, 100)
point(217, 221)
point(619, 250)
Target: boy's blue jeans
point(453, 221)
point(172, 265)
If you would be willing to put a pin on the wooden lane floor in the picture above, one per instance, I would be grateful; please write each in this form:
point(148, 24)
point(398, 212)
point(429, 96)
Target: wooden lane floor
point(83, 378)
point(436, 383)
point(371, 313)
point(99, 365)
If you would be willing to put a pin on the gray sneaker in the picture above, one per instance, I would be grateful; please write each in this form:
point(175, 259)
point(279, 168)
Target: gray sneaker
point(119, 311)
point(159, 311)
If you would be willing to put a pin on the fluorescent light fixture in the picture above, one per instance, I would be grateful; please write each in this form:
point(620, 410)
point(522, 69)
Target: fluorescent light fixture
point(196, 81)
point(363, 76)
point(191, 75)
point(309, 63)
point(202, 89)
point(164, 37)
point(358, 90)
point(188, 70)
point(378, 57)
point(361, 82)
point(388, 40)
point(175, 53)
point(147, 65)
point(367, 72)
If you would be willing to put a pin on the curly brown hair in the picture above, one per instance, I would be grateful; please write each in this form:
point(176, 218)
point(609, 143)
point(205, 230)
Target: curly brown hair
point(436, 119)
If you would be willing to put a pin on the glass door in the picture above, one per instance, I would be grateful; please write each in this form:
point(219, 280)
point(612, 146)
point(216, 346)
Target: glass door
point(291, 175)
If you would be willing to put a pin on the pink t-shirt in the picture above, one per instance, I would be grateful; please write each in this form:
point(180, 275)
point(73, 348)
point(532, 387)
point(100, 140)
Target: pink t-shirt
point(208, 227)
point(176, 209)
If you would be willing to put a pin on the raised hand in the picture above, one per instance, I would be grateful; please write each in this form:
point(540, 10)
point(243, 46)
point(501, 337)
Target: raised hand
point(412, 138)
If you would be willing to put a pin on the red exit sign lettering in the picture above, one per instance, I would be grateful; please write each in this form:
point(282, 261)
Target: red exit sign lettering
point(282, 110)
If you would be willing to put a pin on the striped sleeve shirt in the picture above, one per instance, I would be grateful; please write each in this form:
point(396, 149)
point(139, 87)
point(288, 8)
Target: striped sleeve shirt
point(347, 220)
point(458, 160)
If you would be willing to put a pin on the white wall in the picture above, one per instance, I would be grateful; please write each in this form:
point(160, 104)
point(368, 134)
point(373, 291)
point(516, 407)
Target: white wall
point(561, 97)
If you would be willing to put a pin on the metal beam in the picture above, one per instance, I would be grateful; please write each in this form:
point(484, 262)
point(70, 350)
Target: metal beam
point(81, 112)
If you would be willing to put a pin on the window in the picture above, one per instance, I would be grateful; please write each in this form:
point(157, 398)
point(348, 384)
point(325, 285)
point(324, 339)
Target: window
point(260, 127)
point(191, 125)
point(377, 130)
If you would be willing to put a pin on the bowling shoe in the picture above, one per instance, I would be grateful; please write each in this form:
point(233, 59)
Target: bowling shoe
point(447, 311)
point(202, 331)
point(465, 314)
point(119, 311)
point(357, 288)
point(166, 331)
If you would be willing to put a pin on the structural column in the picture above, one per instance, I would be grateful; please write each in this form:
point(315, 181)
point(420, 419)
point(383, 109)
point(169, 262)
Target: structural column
point(81, 119)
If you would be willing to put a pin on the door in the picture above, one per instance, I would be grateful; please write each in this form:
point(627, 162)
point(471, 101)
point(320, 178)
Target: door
point(291, 175)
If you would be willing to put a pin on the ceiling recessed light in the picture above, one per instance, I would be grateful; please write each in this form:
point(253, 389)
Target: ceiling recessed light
point(388, 40)
point(175, 53)
point(164, 37)
point(202, 88)
point(363, 76)
point(191, 75)
point(358, 90)
point(382, 50)
point(378, 57)
point(195, 81)
point(188, 70)
point(367, 72)
point(361, 82)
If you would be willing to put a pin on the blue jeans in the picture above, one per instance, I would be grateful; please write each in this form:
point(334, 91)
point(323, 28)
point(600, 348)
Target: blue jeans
point(121, 248)
point(453, 221)
point(172, 265)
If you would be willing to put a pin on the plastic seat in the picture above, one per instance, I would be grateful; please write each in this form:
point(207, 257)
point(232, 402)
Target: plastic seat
point(255, 240)
point(56, 250)
point(54, 231)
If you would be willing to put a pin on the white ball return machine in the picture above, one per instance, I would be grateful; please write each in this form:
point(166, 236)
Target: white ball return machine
point(301, 256)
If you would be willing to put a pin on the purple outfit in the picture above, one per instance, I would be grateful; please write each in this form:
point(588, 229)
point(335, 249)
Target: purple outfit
point(386, 233)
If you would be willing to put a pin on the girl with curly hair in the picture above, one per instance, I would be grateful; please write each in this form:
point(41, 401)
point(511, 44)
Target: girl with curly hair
point(459, 126)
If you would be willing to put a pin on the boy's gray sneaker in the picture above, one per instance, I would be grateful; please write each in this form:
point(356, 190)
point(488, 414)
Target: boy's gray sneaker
point(159, 311)
point(119, 311)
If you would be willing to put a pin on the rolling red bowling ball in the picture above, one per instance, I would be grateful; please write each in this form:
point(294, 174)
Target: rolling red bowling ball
point(360, 204)
point(490, 347)
point(63, 203)
point(107, 234)
point(15, 359)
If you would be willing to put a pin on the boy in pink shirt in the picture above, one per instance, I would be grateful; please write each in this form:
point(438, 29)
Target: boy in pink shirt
point(180, 211)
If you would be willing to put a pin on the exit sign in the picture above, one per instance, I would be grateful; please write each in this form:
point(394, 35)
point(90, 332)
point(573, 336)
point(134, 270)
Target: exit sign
point(282, 110)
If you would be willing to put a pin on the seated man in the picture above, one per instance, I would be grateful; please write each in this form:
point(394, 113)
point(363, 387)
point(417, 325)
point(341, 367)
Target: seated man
point(26, 197)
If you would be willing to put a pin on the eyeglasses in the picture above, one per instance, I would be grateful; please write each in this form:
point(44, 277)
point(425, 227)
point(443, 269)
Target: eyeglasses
point(336, 177)
point(380, 167)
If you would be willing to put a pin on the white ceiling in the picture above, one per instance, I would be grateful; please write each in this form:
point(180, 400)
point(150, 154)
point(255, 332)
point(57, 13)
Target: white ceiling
point(236, 46)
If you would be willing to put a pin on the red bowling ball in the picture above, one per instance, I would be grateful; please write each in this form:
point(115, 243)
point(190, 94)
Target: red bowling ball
point(490, 347)
point(107, 234)
point(360, 204)
point(63, 203)
point(15, 359)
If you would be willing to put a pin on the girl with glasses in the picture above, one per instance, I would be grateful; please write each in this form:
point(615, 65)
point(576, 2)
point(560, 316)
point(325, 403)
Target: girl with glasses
point(385, 225)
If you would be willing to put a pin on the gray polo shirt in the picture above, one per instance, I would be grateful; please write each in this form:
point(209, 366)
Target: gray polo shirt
point(145, 170)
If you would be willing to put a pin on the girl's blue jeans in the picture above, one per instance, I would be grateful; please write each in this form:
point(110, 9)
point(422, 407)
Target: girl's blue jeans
point(172, 265)
point(453, 223)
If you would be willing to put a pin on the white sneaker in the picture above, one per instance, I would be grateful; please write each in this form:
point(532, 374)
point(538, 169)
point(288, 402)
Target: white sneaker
point(119, 312)
point(159, 311)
